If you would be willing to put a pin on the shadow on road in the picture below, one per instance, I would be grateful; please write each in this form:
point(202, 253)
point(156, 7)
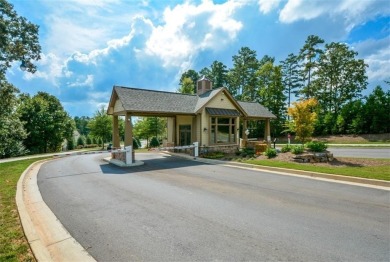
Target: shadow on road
point(161, 163)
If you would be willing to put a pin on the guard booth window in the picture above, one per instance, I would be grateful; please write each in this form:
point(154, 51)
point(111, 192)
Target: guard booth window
point(185, 135)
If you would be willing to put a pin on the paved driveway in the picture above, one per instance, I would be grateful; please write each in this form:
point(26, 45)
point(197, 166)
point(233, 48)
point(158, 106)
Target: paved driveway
point(173, 209)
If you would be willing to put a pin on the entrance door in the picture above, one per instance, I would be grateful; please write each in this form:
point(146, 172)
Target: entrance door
point(185, 135)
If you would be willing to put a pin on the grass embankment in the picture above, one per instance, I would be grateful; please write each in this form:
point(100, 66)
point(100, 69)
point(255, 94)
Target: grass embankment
point(13, 244)
point(380, 171)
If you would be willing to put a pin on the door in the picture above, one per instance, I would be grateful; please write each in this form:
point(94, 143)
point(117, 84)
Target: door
point(185, 135)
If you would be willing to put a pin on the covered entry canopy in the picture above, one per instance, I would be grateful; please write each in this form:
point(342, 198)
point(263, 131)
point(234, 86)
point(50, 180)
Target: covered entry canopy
point(213, 114)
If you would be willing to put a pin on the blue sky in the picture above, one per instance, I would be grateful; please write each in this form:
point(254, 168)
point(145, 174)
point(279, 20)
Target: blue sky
point(90, 45)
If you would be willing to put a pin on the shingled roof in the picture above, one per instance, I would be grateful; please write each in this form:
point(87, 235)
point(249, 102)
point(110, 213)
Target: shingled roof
point(144, 101)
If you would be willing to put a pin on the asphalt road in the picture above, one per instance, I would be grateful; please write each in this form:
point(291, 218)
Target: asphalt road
point(173, 209)
point(360, 152)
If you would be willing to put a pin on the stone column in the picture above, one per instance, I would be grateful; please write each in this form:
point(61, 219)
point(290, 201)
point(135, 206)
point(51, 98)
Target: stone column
point(128, 130)
point(115, 132)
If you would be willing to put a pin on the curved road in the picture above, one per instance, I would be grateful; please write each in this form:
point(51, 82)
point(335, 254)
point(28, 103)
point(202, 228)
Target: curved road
point(360, 152)
point(173, 209)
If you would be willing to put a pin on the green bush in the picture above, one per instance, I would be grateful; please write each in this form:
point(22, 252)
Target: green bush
point(317, 146)
point(89, 140)
point(297, 149)
point(214, 155)
point(70, 145)
point(270, 152)
point(154, 142)
point(247, 152)
point(80, 141)
point(136, 143)
point(286, 148)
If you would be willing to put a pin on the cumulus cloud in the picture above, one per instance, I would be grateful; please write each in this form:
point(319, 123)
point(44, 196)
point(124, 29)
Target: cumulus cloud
point(267, 6)
point(351, 11)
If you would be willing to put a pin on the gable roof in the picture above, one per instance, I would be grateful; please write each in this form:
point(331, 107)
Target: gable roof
point(149, 102)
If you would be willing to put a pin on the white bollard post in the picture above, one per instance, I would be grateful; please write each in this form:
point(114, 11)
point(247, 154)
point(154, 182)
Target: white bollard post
point(129, 155)
point(196, 149)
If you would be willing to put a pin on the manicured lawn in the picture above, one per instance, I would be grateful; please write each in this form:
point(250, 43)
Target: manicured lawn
point(13, 244)
point(381, 171)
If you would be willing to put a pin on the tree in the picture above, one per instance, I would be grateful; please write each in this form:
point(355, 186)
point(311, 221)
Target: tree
point(148, 127)
point(46, 122)
point(340, 77)
point(100, 126)
point(270, 93)
point(193, 75)
point(376, 112)
point(18, 39)
point(82, 124)
point(309, 55)
point(187, 86)
point(303, 120)
point(218, 74)
point(291, 76)
point(242, 78)
point(12, 132)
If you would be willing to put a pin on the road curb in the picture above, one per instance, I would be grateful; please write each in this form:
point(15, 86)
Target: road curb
point(47, 237)
point(285, 171)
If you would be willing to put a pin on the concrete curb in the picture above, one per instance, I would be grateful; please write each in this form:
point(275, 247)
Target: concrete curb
point(285, 171)
point(48, 238)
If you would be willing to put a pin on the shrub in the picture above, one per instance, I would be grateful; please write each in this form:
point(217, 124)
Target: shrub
point(250, 152)
point(89, 140)
point(136, 143)
point(286, 148)
point(270, 152)
point(214, 155)
point(70, 145)
point(297, 149)
point(317, 146)
point(154, 142)
point(80, 141)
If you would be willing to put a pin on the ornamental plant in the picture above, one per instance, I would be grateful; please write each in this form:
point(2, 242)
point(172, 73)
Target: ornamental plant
point(316, 146)
point(270, 152)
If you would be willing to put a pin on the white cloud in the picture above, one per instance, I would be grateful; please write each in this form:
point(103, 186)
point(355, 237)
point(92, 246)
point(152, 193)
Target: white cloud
point(376, 54)
point(351, 11)
point(188, 29)
point(82, 81)
point(267, 6)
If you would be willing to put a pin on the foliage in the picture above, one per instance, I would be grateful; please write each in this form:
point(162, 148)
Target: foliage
point(154, 142)
point(46, 122)
point(187, 86)
point(13, 244)
point(19, 39)
point(136, 143)
point(376, 112)
point(81, 141)
point(317, 146)
point(214, 155)
point(291, 77)
point(193, 75)
point(82, 124)
point(303, 119)
point(89, 140)
point(297, 149)
point(12, 132)
point(247, 152)
point(286, 148)
point(100, 126)
point(270, 152)
point(70, 144)
point(147, 127)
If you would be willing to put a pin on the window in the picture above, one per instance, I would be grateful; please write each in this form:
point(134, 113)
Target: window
point(223, 130)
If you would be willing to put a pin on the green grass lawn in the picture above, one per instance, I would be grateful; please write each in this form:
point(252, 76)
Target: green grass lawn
point(13, 244)
point(381, 172)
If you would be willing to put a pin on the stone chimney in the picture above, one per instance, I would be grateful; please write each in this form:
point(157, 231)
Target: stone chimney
point(203, 85)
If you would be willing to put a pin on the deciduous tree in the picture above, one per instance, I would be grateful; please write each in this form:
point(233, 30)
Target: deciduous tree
point(303, 120)
point(100, 126)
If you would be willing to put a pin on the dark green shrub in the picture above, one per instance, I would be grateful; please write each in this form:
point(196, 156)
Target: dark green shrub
point(80, 141)
point(154, 142)
point(317, 146)
point(297, 149)
point(286, 148)
point(214, 155)
point(70, 145)
point(270, 152)
point(247, 152)
point(89, 140)
point(136, 143)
